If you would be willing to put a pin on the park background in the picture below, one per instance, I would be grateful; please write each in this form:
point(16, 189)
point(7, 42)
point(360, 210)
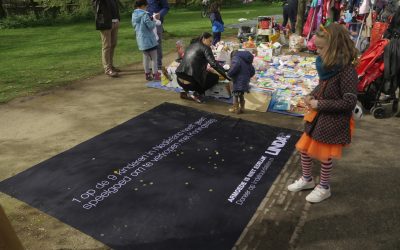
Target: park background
point(50, 43)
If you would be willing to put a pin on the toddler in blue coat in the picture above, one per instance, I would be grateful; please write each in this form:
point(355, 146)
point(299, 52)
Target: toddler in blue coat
point(241, 70)
point(146, 38)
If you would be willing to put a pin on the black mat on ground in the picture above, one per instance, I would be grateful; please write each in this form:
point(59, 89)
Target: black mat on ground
point(171, 178)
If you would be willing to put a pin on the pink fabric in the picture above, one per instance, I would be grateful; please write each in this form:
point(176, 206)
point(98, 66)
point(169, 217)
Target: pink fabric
point(311, 44)
point(307, 26)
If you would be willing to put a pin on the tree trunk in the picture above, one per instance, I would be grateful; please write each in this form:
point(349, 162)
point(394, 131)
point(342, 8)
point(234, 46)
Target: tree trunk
point(3, 13)
point(32, 6)
point(301, 9)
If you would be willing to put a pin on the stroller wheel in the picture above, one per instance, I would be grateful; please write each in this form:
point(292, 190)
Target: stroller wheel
point(378, 112)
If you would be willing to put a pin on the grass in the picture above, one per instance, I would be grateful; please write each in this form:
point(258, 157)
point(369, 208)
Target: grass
point(36, 59)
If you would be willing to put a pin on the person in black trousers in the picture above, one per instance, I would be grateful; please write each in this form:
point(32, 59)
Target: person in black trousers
point(290, 12)
point(216, 22)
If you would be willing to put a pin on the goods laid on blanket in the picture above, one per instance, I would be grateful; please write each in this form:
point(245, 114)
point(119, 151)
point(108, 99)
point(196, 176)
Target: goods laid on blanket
point(289, 78)
point(285, 79)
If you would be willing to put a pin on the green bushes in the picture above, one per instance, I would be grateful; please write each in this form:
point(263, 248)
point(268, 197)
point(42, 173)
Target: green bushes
point(24, 14)
point(57, 12)
point(54, 12)
point(31, 20)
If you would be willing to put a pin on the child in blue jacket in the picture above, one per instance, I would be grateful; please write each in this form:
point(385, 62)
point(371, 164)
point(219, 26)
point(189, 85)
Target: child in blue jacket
point(146, 39)
point(216, 22)
point(241, 70)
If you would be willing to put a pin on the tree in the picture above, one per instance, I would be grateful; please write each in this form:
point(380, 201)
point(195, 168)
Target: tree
point(301, 9)
point(3, 13)
point(64, 5)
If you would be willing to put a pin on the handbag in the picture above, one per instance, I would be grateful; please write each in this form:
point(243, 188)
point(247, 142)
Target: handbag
point(312, 115)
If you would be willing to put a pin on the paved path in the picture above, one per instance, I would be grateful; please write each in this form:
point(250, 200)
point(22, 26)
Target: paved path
point(363, 212)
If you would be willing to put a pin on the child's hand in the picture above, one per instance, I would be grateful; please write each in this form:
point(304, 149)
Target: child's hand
point(314, 104)
point(307, 99)
point(156, 16)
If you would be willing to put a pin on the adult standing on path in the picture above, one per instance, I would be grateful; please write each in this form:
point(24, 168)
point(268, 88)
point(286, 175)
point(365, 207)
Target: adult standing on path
point(160, 8)
point(290, 12)
point(107, 21)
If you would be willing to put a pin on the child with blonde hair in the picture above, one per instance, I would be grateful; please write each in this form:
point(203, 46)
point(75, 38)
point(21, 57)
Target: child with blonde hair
point(329, 123)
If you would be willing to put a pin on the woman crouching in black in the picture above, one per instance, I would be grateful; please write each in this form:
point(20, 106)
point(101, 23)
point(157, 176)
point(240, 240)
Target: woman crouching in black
point(192, 74)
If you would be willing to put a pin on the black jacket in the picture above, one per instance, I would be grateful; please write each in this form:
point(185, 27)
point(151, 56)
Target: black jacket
point(195, 60)
point(105, 11)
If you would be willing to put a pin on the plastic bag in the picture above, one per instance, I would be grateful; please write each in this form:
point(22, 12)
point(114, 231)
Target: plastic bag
point(296, 43)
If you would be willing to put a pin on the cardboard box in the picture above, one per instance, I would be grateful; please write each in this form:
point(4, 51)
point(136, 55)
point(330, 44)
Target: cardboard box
point(220, 90)
point(265, 52)
point(258, 100)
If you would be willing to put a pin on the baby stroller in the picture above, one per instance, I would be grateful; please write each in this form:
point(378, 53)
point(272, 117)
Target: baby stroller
point(379, 72)
point(372, 82)
point(245, 32)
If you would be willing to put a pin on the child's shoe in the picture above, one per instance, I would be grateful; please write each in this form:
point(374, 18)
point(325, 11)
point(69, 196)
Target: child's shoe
point(235, 109)
point(318, 194)
point(301, 184)
point(149, 77)
point(157, 76)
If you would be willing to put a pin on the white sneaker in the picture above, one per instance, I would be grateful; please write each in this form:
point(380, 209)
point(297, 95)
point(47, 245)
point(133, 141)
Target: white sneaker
point(301, 184)
point(318, 194)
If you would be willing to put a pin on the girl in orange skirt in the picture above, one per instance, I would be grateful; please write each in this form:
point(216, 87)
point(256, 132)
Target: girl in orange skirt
point(329, 123)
